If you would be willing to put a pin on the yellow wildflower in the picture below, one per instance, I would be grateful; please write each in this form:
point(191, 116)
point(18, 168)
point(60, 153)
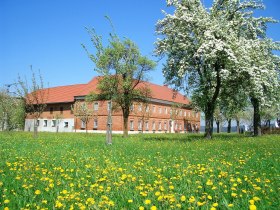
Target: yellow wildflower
point(153, 208)
point(147, 202)
point(252, 207)
point(6, 201)
point(37, 192)
point(183, 198)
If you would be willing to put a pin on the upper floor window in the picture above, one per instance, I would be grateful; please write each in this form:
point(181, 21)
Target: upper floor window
point(154, 109)
point(159, 110)
point(140, 107)
point(132, 107)
point(51, 110)
point(185, 113)
point(95, 106)
point(180, 112)
point(166, 111)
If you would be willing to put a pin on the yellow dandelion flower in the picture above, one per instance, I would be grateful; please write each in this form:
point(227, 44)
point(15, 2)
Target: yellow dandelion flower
point(64, 192)
point(252, 207)
point(183, 198)
point(209, 182)
point(6, 208)
point(234, 195)
point(44, 201)
point(256, 198)
point(147, 202)
point(58, 204)
point(141, 208)
point(230, 205)
point(171, 187)
point(252, 202)
point(209, 197)
point(153, 208)
point(130, 201)
point(6, 201)
point(157, 193)
point(215, 204)
point(200, 203)
point(191, 199)
point(37, 192)
point(212, 208)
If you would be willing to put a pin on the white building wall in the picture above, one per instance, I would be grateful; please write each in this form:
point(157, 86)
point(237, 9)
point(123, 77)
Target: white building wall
point(29, 125)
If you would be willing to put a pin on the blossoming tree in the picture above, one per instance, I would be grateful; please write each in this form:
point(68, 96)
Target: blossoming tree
point(205, 48)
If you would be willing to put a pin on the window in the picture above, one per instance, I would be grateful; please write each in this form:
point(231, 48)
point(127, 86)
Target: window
point(38, 123)
point(140, 107)
point(185, 114)
point(165, 125)
point(51, 110)
point(147, 125)
point(154, 109)
point(189, 114)
point(180, 112)
point(176, 126)
point(95, 123)
point(66, 124)
point(166, 111)
point(159, 110)
point(139, 125)
point(147, 109)
point(131, 125)
point(83, 124)
point(154, 125)
point(109, 105)
point(45, 123)
point(53, 123)
point(159, 126)
point(132, 107)
point(61, 110)
point(180, 126)
point(95, 106)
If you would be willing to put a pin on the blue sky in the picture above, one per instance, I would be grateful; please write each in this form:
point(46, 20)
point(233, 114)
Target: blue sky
point(47, 34)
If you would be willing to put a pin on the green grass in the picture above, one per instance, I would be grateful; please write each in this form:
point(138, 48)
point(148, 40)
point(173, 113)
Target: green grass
point(79, 171)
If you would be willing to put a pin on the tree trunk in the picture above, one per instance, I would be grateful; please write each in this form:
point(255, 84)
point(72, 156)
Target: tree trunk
point(209, 118)
point(125, 126)
point(237, 126)
point(229, 126)
point(35, 134)
point(218, 126)
point(257, 117)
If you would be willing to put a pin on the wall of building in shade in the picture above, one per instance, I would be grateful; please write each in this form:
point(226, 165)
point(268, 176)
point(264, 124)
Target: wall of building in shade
point(156, 119)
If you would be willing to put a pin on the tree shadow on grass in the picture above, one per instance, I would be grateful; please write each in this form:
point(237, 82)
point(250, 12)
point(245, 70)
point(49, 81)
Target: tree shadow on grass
point(172, 137)
point(188, 137)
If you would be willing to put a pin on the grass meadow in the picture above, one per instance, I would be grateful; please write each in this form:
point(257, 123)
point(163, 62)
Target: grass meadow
point(160, 171)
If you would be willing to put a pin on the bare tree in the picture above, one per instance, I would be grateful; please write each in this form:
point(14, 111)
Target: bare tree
point(35, 97)
point(83, 111)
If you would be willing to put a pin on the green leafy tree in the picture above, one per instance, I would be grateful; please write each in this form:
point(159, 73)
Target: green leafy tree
point(123, 70)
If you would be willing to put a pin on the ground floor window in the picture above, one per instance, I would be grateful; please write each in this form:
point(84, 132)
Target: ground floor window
point(131, 125)
point(66, 124)
point(139, 125)
point(45, 123)
point(165, 125)
point(159, 126)
point(53, 123)
point(83, 124)
point(147, 125)
point(95, 123)
point(154, 125)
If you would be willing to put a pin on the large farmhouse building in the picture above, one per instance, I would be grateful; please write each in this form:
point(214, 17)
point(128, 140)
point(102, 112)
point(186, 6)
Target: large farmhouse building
point(167, 111)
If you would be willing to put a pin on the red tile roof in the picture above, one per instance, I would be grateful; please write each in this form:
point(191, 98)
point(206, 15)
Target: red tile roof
point(67, 93)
